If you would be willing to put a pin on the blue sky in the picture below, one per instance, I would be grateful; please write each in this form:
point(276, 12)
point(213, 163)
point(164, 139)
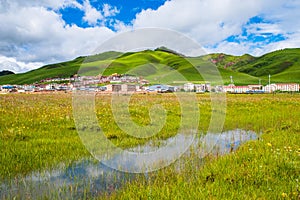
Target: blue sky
point(34, 33)
point(127, 11)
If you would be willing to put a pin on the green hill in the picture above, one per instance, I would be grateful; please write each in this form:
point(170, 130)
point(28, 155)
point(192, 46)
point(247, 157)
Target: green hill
point(63, 70)
point(164, 65)
point(282, 65)
point(5, 73)
point(161, 66)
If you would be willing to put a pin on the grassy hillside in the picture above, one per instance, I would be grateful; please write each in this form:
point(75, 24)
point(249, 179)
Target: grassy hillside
point(283, 65)
point(64, 69)
point(163, 66)
point(5, 73)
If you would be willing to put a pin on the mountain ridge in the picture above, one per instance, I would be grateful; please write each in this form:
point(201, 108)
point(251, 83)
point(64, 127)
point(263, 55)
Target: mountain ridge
point(283, 65)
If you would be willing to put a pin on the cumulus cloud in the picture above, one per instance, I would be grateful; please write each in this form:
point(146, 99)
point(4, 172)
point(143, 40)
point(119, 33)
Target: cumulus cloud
point(38, 34)
point(205, 21)
point(263, 28)
point(34, 31)
point(91, 14)
point(51, 4)
point(211, 22)
point(109, 10)
point(279, 20)
point(255, 48)
point(17, 67)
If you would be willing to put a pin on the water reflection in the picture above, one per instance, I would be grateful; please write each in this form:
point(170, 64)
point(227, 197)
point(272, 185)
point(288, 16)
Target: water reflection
point(89, 178)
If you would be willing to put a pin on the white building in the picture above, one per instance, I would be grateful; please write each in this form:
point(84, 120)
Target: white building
point(189, 87)
point(229, 88)
point(122, 88)
point(240, 89)
point(287, 87)
point(283, 87)
point(161, 88)
point(255, 87)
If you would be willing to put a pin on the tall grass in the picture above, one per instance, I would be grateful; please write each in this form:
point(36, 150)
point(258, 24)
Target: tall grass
point(37, 132)
point(264, 169)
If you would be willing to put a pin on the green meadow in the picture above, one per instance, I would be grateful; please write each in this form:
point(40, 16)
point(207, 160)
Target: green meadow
point(283, 65)
point(38, 133)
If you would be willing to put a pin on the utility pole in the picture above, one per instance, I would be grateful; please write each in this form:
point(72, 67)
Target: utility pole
point(270, 83)
point(232, 84)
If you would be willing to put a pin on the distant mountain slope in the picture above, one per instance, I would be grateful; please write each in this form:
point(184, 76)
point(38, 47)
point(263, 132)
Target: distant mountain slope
point(163, 67)
point(6, 72)
point(282, 65)
point(164, 64)
point(64, 69)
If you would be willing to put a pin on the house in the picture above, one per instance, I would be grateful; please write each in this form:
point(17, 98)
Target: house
point(20, 90)
point(128, 88)
point(114, 88)
point(255, 87)
point(8, 88)
point(122, 88)
point(189, 87)
point(240, 89)
point(199, 88)
point(29, 88)
point(269, 88)
point(231, 88)
point(144, 82)
point(161, 88)
point(283, 87)
point(228, 88)
point(287, 87)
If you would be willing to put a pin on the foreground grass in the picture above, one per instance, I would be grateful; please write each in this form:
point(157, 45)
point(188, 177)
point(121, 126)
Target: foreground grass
point(37, 132)
point(265, 169)
point(268, 168)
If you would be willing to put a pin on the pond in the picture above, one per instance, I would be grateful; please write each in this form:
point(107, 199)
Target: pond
point(89, 178)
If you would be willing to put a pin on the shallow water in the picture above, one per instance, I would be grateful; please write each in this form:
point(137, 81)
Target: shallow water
point(90, 178)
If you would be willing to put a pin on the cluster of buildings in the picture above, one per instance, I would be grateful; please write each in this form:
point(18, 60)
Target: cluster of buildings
point(271, 88)
point(129, 83)
point(112, 79)
point(114, 82)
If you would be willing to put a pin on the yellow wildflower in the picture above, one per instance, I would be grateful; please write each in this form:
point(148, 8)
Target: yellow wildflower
point(284, 195)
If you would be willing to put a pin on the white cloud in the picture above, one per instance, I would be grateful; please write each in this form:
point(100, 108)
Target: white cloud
point(91, 14)
point(261, 28)
point(255, 48)
point(15, 66)
point(280, 18)
point(33, 32)
point(109, 11)
point(205, 21)
point(292, 41)
point(37, 34)
point(211, 22)
point(52, 4)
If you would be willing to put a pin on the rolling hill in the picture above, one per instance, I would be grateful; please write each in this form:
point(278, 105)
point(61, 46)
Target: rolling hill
point(282, 65)
point(163, 66)
point(6, 72)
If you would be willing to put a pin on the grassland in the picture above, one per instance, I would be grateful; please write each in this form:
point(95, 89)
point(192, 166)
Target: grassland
point(264, 169)
point(37, 132)
point(283, 65)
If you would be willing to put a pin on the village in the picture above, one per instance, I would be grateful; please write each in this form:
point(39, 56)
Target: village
point(129, 84)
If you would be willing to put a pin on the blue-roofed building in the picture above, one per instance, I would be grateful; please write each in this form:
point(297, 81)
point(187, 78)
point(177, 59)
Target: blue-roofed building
point(161, 88)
